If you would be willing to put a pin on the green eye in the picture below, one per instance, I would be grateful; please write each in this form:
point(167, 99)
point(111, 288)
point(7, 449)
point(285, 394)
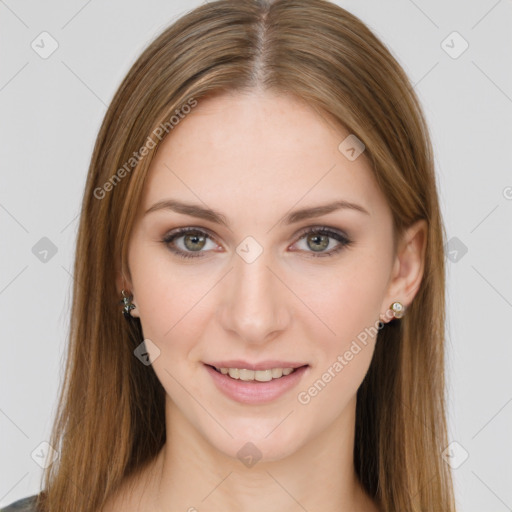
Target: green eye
point(318, 239)
point(194, 240)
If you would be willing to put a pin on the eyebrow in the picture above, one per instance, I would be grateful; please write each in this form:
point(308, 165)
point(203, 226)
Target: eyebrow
point(195, 210)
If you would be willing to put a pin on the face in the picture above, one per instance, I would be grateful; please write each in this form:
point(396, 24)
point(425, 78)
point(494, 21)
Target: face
point(257, 285)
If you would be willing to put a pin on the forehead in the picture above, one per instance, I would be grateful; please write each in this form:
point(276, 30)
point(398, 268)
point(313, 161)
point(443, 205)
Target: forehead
point(261, 149)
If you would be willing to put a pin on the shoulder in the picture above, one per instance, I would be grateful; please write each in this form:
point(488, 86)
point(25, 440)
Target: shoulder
point(27, 504)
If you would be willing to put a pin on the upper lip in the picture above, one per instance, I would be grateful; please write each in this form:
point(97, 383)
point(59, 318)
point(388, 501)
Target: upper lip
point(262, 365)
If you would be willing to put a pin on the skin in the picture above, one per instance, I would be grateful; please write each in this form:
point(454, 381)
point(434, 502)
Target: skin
point(255, 157)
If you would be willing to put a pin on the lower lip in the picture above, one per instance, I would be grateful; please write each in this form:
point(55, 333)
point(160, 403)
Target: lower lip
point(255, 392)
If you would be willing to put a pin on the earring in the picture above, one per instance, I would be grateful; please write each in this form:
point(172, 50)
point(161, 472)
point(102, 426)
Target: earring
point(128, 305)
point(398, 309)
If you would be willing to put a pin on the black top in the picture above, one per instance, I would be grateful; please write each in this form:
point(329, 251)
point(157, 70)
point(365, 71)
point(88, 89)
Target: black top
point(24, 505)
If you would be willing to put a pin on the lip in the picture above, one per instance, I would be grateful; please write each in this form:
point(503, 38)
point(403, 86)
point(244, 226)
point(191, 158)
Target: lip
point(262, 365)
point(255, 392)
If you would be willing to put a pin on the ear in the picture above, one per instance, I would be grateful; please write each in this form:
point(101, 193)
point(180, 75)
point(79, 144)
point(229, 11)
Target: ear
point(408, 268)
point(123, 283)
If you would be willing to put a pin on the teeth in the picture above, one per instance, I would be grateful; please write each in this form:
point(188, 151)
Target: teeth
point(259, 375)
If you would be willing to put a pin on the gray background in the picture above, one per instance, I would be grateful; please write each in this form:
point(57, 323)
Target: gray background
point(51, 111)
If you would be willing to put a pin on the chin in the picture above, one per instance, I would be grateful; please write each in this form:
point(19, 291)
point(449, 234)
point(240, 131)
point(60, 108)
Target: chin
point(264, 441)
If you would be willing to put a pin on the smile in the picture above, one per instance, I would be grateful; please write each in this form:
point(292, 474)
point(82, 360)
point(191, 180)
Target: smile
point(258, 375)
point(255, 386)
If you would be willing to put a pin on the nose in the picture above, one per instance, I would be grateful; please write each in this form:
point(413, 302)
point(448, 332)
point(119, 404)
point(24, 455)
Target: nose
point(256, 306)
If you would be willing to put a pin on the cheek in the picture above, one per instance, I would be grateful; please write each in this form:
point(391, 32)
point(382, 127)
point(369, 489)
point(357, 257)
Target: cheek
point(347, 299)
point(332, 387)
point(165, 293)
point(349, 309)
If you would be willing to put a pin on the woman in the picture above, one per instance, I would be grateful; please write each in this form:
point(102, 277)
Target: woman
point(262, 207)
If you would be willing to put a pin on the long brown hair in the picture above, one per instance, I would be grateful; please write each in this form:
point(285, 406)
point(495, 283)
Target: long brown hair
point(110, 419)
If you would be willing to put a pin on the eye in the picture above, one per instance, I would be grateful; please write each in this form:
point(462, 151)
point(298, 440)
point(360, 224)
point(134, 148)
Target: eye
point(194, 240)
point(319, 238)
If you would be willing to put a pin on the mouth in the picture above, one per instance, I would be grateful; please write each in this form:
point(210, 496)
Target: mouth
point(256, 386)
point(248, 375)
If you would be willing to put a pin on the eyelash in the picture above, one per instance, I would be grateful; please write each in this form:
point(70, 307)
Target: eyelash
point(341, 238)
